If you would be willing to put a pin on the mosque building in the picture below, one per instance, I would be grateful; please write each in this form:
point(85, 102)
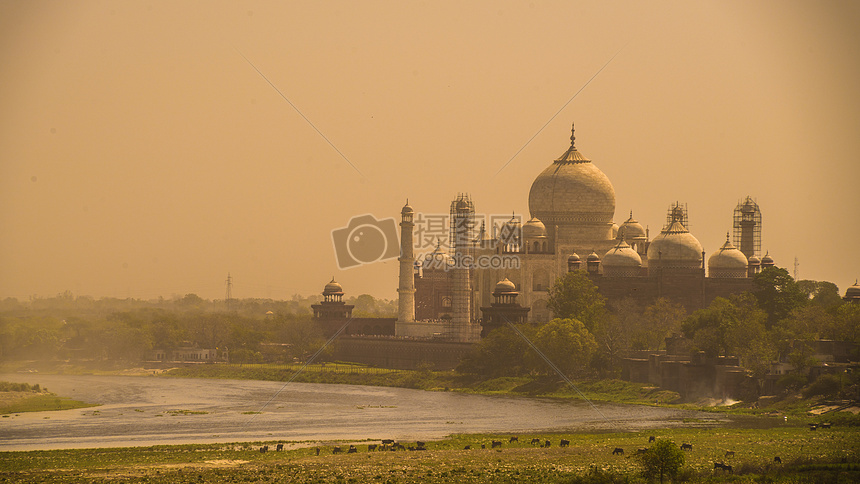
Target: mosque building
point(571, 227)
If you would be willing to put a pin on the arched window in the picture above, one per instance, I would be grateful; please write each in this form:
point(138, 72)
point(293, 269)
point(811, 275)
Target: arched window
point(446, 302)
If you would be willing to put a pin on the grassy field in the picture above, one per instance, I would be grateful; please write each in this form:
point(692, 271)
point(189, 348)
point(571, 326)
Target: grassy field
point(826, 455)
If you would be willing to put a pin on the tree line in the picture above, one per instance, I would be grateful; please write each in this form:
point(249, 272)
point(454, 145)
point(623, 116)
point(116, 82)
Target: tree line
point(246, 330)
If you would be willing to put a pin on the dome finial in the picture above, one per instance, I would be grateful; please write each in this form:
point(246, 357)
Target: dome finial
point(572, 136)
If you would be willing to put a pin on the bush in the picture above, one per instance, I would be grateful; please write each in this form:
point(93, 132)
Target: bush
point(791, 382)
point(827, 385)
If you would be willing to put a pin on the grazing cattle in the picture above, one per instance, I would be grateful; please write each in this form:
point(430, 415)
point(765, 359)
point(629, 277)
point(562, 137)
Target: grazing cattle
point(398, 447)
point(483, 446)
point(825, 425)
point(351, 450)
point(730, 453)
point(651, 439)
point(468, 447)
point(718, 465)
point(728, 468)
point(336, 450)
point(535, 441)
point(723, 467)
point(420, 444)
point(514, 439)
point(280, 447)
point(547, 443)
point(813, 426)
point(777, 460)
point(686, 446)
point(618, 451)
point(264, 449)
point(318, 451)
point(371, 447)
point(387, 441)
point(496, 443)
point(564, 443)
point(641, 450)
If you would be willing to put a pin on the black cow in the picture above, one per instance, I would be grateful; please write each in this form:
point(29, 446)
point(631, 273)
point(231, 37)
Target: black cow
point(535, 441)
point(387, 441)
point(371, 447)
point(618, 451)
point(496, 443)
point(514, 439)
point(686, 446)
point(336, 450)
point(264, 449)
point(351, 450)
point(651, 439)
point(777, 460)
point(547, 443)
point(564, 443)
point(318, 451)
point(723, 467)
point(280, 447)
point(420, 444)
point(468, 447)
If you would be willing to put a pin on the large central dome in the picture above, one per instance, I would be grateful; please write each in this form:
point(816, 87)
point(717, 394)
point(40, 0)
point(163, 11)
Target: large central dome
point(572, 191)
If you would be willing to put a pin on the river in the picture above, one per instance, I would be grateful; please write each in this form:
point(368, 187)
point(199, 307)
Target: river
point(144, 411)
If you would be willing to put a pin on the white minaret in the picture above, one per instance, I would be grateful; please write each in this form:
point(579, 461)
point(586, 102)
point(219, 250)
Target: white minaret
point(406, 288)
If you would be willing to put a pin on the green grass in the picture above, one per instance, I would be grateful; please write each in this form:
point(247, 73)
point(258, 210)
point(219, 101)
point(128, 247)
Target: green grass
point(40, 403)
point(822, 456)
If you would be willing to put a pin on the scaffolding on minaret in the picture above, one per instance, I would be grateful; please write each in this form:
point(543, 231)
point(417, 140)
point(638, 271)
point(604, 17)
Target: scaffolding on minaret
point(747, 227)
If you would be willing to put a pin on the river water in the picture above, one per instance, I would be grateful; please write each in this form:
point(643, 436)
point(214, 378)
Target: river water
point(144, 411)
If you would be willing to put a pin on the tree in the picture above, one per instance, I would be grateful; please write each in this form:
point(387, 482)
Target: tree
point(501, 353)
point(777, 293)
point(661, 319)
point(566, 343)
point(733, 326)
point(574, 296)
point(663, 459)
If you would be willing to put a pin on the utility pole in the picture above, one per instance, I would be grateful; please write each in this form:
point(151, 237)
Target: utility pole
point(229, 290)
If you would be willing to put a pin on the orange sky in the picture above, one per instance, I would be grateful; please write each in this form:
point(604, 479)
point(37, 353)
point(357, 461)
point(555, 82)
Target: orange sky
point(142, 156)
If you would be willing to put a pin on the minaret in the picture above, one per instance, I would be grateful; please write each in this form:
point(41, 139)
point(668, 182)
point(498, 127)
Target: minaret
point(462, 224)
point(406, 288)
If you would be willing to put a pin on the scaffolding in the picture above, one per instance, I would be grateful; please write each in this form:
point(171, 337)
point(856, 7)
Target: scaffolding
point(747, 227)
point(678, 212)
point(462, 230)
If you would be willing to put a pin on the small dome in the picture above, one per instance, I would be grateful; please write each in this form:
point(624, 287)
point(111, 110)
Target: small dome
point(767, 260)
point(631, 229)
point(505, 286)
point(675, 247)
point(754, 260)
point(438, 259)
point(574, 258)
point(593, 257)
point(727, 262)
point(853, 292)
point(406, 209)
point(333, 288)
point(534, 228)
point(622, 255)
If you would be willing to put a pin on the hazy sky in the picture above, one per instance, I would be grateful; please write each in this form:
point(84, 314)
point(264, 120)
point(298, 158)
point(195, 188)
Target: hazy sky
point(142, 156)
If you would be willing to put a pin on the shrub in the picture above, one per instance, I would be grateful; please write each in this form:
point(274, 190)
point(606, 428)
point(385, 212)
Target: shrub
point(663, 459)
point(827, 385)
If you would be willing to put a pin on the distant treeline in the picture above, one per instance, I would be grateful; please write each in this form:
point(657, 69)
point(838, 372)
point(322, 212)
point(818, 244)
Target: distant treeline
point(84, 328)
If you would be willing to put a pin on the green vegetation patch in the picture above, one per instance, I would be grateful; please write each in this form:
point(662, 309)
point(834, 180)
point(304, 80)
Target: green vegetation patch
point(823, 456)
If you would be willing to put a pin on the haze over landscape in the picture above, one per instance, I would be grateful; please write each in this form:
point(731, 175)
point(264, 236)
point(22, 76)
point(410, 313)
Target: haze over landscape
point(142, 155)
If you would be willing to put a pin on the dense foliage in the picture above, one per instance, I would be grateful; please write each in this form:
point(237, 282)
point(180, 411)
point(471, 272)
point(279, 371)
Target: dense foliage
point(779, 321)
point(245, 330)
